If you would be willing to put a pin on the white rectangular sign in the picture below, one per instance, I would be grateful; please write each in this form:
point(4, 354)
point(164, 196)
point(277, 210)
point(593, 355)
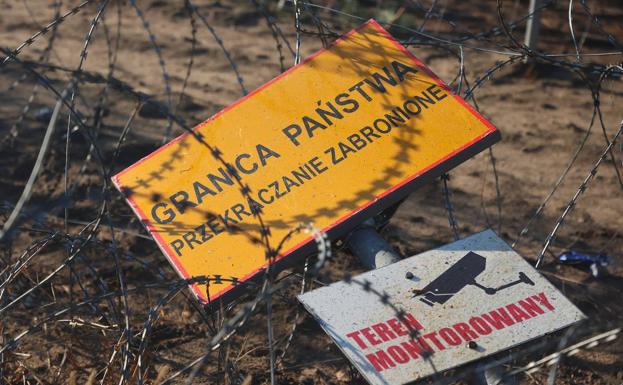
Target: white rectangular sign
point(439, 309)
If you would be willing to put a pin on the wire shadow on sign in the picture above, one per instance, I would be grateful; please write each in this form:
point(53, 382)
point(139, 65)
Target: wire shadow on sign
point(190, 237)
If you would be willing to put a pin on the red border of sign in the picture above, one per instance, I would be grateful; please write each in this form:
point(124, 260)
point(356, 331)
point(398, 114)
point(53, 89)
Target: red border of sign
point(175, 261)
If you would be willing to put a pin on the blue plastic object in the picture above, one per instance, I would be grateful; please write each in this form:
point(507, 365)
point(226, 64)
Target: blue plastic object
point(595, 262)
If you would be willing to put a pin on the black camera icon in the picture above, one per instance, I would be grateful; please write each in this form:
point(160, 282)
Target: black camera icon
point(459, 275)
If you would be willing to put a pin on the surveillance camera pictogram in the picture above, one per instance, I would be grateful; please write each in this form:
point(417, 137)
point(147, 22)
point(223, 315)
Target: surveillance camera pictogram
point(462, 273)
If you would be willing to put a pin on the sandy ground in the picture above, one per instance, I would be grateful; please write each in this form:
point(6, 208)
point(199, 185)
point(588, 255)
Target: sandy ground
point(543, 114)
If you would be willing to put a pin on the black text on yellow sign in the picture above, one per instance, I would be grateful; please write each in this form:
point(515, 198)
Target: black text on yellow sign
point(338, 138)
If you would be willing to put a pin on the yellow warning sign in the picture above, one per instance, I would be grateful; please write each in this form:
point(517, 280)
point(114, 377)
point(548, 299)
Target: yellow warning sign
point(336, 139)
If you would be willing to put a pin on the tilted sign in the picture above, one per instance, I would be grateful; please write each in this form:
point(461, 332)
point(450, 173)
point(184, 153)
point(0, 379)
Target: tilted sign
point(332, 141)
point(439, 309)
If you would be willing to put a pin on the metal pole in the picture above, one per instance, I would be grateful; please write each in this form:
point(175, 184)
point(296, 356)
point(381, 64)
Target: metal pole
point(490, 372)
point(533, 25)
point(367, 244)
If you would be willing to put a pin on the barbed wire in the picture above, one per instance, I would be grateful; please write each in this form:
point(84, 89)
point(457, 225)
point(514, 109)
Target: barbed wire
point(89, 270)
